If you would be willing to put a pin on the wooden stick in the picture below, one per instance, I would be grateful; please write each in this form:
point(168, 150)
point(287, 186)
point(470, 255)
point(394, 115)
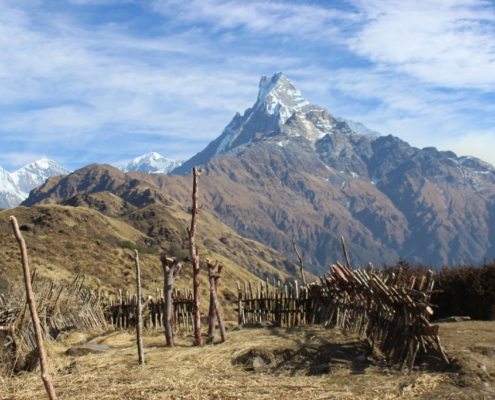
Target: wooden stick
point(193, 249)
point(345, 253)
point(171, 269)
point(301, 262)
point(214, 271)
point(139, 306)
point(45, 375)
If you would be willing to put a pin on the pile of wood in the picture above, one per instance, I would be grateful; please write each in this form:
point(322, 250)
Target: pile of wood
point(121, 311)
point(391, 309)
point(60, 306)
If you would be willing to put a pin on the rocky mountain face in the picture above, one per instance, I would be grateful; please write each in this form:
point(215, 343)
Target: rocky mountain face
point(151, 163)
point(309, 176)
point(15, 187)
point(287, 169)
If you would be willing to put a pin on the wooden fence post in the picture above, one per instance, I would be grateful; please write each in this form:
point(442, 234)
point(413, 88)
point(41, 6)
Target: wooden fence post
point(171, 269)
point(139, 307)
point(45, 375)
point(214, 271)
point(193, 249)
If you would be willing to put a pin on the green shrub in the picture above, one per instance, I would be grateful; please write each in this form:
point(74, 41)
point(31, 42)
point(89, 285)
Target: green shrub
point(467, 290)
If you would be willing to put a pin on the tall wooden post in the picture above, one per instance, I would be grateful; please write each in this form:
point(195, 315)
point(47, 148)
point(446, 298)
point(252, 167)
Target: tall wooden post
point(171, 269)
point(193, 249)
point(45, 375)
point(139, 307)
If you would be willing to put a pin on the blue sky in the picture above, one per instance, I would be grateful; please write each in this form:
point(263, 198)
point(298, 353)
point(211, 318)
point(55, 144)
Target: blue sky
point(104, 81)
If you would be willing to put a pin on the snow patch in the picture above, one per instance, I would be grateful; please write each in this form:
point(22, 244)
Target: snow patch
point(222, 144)
point(151, 163)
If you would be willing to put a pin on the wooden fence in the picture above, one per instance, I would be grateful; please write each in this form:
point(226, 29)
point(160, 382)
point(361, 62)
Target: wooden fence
point(121, 311)
point(391, 309)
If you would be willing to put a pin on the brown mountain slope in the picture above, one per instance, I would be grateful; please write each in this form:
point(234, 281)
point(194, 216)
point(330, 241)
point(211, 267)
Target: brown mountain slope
point(140, 189)
point(90, 179)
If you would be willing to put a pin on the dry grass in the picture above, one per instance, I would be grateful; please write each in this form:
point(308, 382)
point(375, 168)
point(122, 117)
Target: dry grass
point(225, 371)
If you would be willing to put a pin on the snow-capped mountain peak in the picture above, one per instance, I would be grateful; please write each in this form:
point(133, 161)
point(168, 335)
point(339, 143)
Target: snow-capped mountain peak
point(278, 96)
point(151, 163)
point(15, 186)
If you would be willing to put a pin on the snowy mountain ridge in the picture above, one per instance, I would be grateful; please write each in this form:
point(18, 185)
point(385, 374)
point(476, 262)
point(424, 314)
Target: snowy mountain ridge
point(280, 108)
point(151, 163)
point(15, 186)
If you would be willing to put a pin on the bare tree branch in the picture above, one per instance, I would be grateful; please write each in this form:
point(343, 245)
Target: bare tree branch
point(301, 262)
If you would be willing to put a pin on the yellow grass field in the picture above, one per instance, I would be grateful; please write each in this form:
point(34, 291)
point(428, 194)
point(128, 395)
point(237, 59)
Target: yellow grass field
point(311, 362)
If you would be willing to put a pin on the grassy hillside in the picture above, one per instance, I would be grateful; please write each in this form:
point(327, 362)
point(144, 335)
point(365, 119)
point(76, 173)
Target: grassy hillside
point(64, 241)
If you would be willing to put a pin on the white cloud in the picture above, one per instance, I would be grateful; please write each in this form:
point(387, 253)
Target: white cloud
point(446, 43)
point(266, 17)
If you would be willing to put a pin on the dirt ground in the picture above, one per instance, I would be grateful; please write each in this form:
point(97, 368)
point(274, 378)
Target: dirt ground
point(311, 362)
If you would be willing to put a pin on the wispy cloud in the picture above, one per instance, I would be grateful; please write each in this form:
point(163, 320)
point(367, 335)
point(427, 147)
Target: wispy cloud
point(447, 43)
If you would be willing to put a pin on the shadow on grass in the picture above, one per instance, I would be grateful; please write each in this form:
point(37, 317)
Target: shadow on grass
point(312, 354)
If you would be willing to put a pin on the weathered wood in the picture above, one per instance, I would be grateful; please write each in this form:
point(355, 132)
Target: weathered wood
point(214, 273)
point(382, 306)
point(193, 249)
point(45, 375)
point(301, 262)
point(171, 268)
point(344, 249)
point(139, 309)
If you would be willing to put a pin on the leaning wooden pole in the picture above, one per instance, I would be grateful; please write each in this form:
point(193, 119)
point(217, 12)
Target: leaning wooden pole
point(45, 375)
point(301, 262)
point(171, 269)
point(193, 249)
point(139, 306)
point(344, 249)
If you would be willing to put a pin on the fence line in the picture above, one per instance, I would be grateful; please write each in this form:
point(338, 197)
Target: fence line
point(121, 312)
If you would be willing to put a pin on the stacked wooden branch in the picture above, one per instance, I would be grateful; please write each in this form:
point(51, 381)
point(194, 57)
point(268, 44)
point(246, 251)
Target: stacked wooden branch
point(60, 307)
point(391, 309)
